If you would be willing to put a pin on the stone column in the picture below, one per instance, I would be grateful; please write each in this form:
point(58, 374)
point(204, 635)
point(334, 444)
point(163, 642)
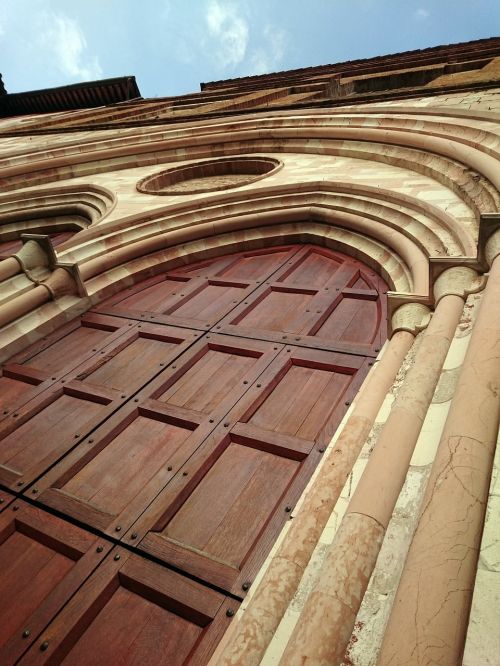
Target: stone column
point(430, 613)
point(59, 283)
point(250, 635)
point(324, 628)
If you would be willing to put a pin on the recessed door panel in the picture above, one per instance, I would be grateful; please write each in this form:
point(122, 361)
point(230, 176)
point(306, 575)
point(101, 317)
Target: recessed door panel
point(43, 562)
point(34, 370)
point(49, 426)
point(255, 265)
point(135, 612)
point(302, 401)
point(277, 310)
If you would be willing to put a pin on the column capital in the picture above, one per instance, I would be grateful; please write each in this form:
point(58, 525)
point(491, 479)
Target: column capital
point(411, 317)
point(459, 281)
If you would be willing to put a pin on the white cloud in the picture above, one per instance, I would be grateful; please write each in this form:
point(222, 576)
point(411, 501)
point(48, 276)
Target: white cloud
point(421, 14)
point(269, 57)
point(64, 40)
point(228, 28)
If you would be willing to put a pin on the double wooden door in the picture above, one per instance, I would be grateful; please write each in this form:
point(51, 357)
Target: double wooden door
point(151, 451)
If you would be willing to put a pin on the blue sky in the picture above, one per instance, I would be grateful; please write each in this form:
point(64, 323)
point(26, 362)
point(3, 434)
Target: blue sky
point(173, 45)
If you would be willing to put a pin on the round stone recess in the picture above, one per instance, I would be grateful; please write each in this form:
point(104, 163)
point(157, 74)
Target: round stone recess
point(209, 175)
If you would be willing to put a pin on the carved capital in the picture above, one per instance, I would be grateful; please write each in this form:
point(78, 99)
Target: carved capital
point(492, 248)
point(31, 256)
point(411, 317)
point(61, 283)
point(458, 280)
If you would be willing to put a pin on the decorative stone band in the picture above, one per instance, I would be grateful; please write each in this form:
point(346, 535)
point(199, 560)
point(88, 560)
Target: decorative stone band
point(458, 280)
point(411, 317)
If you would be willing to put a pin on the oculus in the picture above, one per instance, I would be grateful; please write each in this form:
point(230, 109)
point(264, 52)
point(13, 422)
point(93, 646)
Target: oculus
point(209, 175)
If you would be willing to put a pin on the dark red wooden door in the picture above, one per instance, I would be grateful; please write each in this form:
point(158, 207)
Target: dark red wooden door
point(182, 418)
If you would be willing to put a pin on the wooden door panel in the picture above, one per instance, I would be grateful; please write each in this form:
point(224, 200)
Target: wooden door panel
point(153, 294)
point(135, 612)
point(49, 426)
point(218, 522)
point(32, 371)
point(111, 477)
point(43, 561)
point(257, 264)
point(338, 316)
point(221, 511)
point(200, 295)
point(135, 358)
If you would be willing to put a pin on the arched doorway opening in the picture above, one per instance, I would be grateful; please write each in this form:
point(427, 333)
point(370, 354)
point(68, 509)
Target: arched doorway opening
point(183, 417)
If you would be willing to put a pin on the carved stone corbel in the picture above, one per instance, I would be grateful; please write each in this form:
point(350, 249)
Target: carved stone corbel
point(411, 317)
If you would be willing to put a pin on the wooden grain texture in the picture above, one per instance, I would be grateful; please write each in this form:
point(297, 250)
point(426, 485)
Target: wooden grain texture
point(136, 612)
point(43, 562)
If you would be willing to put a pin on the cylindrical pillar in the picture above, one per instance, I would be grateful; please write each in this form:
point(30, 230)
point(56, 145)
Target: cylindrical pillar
point(429, 620)
point(324, 628)
point(8, 268)
point(23, 304)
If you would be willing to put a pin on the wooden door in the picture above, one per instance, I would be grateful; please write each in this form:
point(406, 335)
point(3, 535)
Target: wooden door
point(181, 418)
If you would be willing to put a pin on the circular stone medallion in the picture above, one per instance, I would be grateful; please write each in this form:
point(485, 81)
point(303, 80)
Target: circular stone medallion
point(209, 176)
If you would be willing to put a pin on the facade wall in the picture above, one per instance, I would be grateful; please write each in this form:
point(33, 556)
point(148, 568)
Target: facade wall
point(391, 555)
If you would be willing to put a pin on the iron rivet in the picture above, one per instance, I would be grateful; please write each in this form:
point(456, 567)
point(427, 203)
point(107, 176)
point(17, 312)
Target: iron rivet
point(308, 310)
point(297, 339)
point(377, 349)
point(208, 337)
point(63, 381)
point(288, 509)
point(20, 483)
point(245, 382)
point(124, 396)
point(230, 612)
point(174, 366)
point(99, 549)
point(77, 435)
point(34, 491)
point(139, 326)
point(226, 425)
point(275, 347)
point(26, 633)
point(289, 350)
point(15, 508)
point(136, 399)
point(118, 528)
point(318, 311)
point(246, 586)
point(347, 403)
point(217, 327)
point(370, 362)
point(246, 302)
point(5, 411)
point(322, 450)
point(16, 415)
point(91, 441)
point(116, 557)
point(44, 646)
point(2, 500)
point(133, 535)
point(53, 378)
point(169, 468)
point(284, 337)
point(94, 350)
point(184, 473)
point(210, 420)
point(162, 363)
point(259, 385)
